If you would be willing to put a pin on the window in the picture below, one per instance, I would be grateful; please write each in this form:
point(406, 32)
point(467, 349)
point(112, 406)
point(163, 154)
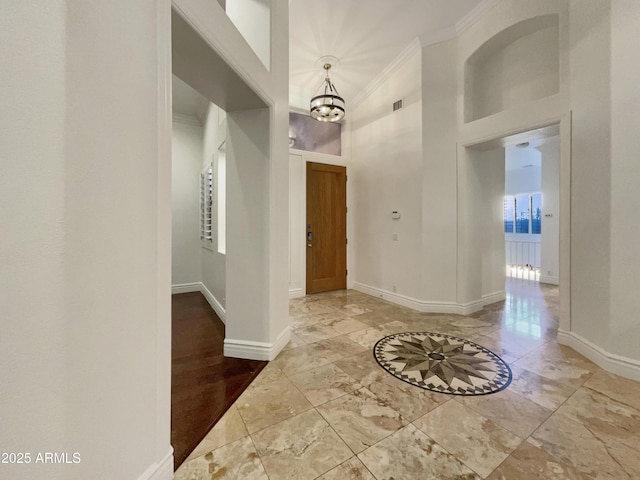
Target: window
point(523, 213)
point(206, 187)
point(536, 213)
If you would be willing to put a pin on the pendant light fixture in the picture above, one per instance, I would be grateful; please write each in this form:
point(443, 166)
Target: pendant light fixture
point(329, 105)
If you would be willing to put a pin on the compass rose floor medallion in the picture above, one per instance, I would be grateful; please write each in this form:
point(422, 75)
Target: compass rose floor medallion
point(442, 363)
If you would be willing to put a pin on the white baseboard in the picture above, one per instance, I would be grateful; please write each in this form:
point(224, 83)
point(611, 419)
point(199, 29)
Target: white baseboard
point(420, 305)
point(256, 350)
point(471, 307)
point(160, 471)
point(201, 287)
point(494, 297)
point(215, 304)
point(186, 288)
point(549, 279)
point(296, 293)
point(623, 366)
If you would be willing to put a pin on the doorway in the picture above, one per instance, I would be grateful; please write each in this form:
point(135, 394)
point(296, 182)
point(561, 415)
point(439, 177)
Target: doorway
point(474, 258)
point(326, 227)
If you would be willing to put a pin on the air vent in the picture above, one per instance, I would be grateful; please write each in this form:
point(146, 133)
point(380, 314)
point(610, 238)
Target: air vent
point(397, 105)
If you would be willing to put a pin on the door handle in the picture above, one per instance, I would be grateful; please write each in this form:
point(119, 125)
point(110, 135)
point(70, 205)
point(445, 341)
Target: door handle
point(309, 239)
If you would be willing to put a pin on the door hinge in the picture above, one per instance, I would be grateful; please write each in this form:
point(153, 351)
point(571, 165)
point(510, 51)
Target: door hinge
point(346, 272)
point(347, 241)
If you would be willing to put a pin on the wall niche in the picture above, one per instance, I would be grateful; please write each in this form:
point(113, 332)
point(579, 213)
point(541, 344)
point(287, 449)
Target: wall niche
point(518, 65)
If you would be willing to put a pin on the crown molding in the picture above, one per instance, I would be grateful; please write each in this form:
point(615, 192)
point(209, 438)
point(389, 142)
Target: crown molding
point(474, 15)
point(437, 36)
point(186, 120)
point(424, 40)
point(389, 70)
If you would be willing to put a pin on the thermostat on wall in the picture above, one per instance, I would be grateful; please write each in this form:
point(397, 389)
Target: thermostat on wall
point(395, 214)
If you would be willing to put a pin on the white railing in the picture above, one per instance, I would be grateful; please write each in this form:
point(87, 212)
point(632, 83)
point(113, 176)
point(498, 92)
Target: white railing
point(523, 259)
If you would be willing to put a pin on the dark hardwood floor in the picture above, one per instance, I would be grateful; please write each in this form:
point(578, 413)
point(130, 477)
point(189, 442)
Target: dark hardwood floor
point(204, 383)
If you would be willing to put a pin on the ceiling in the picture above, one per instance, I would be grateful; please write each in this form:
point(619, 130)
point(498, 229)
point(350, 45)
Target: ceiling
point(365, 35)
point(188, 102)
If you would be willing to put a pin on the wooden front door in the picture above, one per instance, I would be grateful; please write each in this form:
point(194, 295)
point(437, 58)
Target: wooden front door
point(326, 227)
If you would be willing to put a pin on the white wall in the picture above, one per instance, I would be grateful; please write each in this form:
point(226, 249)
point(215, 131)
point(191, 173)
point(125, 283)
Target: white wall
point(625, 172)
point(84, 336)
point(550, 237)
point(252, 19)
point(35, 369)
point(590, 169)
point(186, 163)
point(385, 175)
point(86, 217)
point(213, 262)
point(439, 173)
point(297, 214)
point(519, 179)
point(489, 207)
point(514, 70)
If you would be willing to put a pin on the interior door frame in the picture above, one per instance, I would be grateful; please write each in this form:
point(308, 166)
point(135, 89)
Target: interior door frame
point(298, 225)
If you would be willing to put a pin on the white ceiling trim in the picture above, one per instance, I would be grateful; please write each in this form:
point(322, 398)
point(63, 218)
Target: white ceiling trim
point(442, 35)
point(389, 70)
point(426, 39)
point(474, 15)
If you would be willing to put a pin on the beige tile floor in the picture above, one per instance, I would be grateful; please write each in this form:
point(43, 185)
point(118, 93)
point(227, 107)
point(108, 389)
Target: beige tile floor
point(324, 409)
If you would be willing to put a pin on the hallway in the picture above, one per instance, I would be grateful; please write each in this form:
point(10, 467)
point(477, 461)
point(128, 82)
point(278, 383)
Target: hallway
point(324, 409)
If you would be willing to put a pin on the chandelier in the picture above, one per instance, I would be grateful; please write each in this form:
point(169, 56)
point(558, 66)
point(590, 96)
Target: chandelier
point(329, 105)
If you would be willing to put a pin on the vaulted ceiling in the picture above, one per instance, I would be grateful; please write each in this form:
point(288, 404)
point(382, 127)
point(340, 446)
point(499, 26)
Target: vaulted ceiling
point(365, 35)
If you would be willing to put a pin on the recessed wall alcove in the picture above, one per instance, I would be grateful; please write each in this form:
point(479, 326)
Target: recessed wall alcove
point(518, 65)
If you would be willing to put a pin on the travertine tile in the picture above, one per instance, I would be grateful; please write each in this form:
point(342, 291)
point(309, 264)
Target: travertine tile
point(618, 388)
point(572, 443)
point(529, 462)
point(361, 419)
point(593, 434)
point(542, 390)
point(508, 345)
point(354, 309)
point(408, 400)
point(458, 429)
point(270, 373)
point(410, 454)
point(559, 363)
point(231, 462)
point(363, 368)
point(315, 307)
point(294, 341)
point(509, 410)
point(300, 448)
point(368, 337)
point(344, 325)
point(315, 332)
point(227, 430)
point(325, 383)
point(299, 359)
point(610, 421)
point(269, 403)
point(337, 348)
point(352, 469)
